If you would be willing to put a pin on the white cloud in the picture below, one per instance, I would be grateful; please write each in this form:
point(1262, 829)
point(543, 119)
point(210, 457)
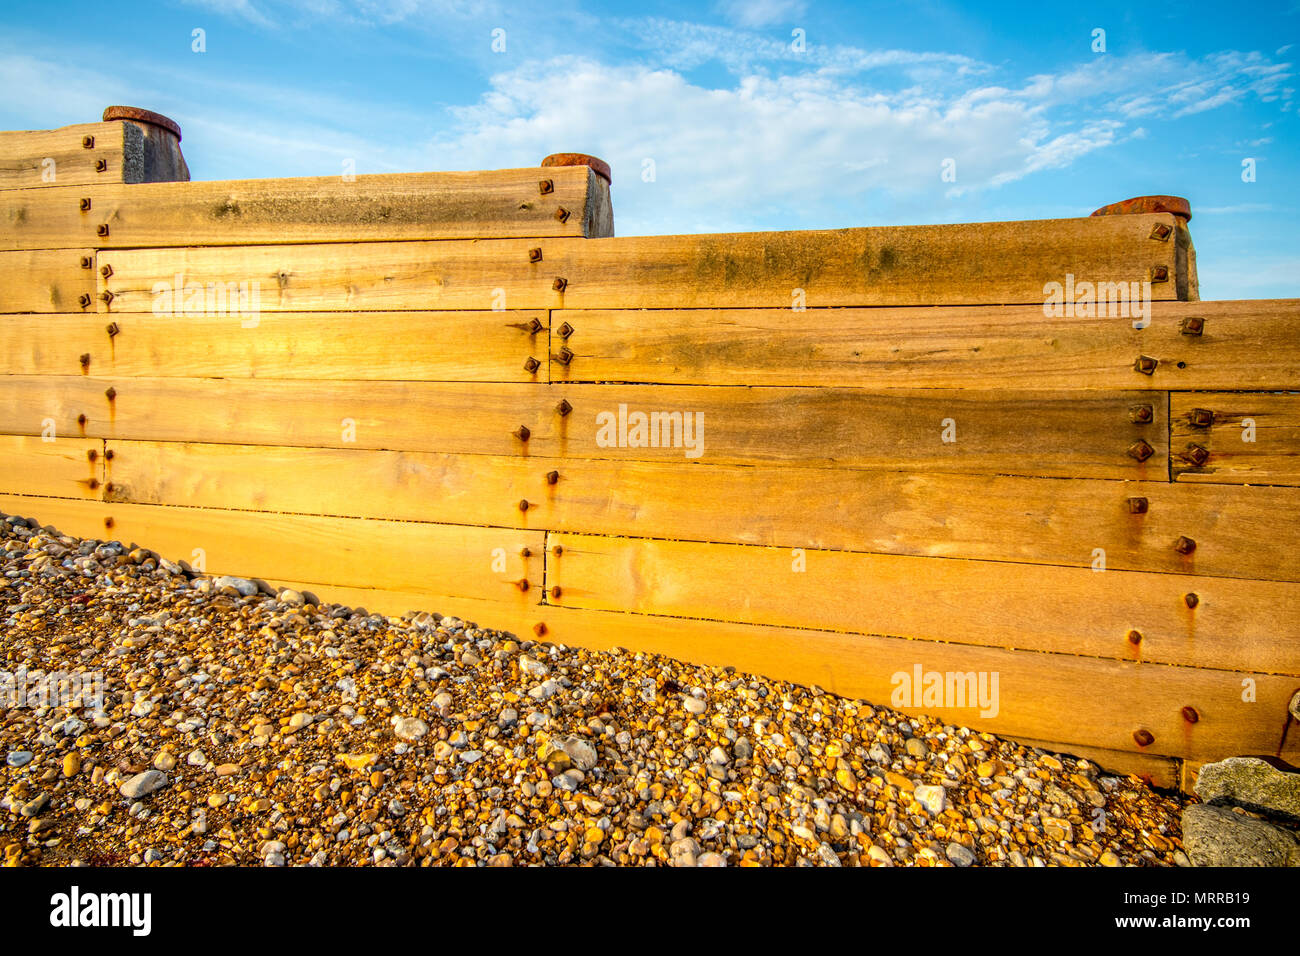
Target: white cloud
point(762, 13)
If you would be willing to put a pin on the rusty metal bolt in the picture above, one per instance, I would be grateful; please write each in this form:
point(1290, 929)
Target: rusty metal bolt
point(564, 357)
point(555, 592)
point(562, 214)
point(523, 504)
point(539, 628)
point(564, 407)
point(535, 325)
point(1159, 273)
point(525, 553)
point(1191, 600)
point(1190, 715)
point(1143, 738)
point(106, 296)
point(552, 477)
point(92, 454)
point(101, 165)
point(108, 488)
point(546, 187)
point(522, 584)
point(1161, 231)
point(1192, 325)
point(560, 284)
point(557, 550)
point(85, 360)
point(87, 262)
point(109, 455)
point(92, 484)
point(1145, 364)
point(1201, 417)
point(1135, 638)
point(110, 393)
point(102, 230)
point(112, 329)
point(81, 420)
point(108, 522)
point(535, 254)
point(522, 433)
point(87, 142)
point(531, 364)
point(1140, 450)
point(565, 330)
point(106, 271)
point(1137, 506)
point(1198, 455)
point(1184, 545)
point(1141, 414)
point(85, 300)
point(85, 205)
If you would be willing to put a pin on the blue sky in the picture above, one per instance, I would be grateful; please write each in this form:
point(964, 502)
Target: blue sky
point(744, 131)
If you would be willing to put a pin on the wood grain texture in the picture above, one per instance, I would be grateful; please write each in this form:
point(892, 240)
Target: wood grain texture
point(1235, 625)
point(1048, 697)
point(397, 346)
point(980, 263)
point(1246, 344)
point(63, 468)
point(46, 280)
point(453, 560)
point(443, 205)
point(997, 518)
point(1273, 420)
point(23, 155)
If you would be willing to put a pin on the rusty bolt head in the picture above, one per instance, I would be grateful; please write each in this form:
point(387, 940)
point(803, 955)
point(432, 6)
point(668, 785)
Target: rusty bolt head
point(522, 433)
point(557, 550)
point(1161, 231)
point(523, 505)
point(85, 300)
point(85, 359)
point(552, 477)
point(110, 454)
point(1159, 273)
point(535, 325)
point(81, 419)
point(1137, 506)
point(562, 214)
point(522, 584)
point(525, 553)
point(102, 230)
point(108, 522)
point(110, 393)
point(1143, 738)
point(87, 142)
point(1198, 455)
point(1140, 450)
point(106, 271)
point(92, 484)
point(1184, 545)
point(560, 284)
point(106, 296)
point(1190, 715)
point(531, 364)
point(1141, 414)
point(112, 329)
point(87, 262)
point(1135, 637)
point(101, 165)
point(555, 592)
point(564, 407)
point(565, 330)
point(535, 254)
point(1191, 599)
point(1145, 364)
point(564, 356)
point(539, 628)
point(92, 454)
point(1192, 325)
point(546, 187)
point(85, 205)
point(1201, 417)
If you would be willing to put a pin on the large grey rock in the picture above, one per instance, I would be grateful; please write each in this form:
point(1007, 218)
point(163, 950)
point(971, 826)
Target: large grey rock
point(1252, 783)
point(1218, 836)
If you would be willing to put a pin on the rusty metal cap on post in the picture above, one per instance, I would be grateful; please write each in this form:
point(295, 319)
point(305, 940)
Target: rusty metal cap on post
point(598, 166)
point(137, 115)
point(1145, 204)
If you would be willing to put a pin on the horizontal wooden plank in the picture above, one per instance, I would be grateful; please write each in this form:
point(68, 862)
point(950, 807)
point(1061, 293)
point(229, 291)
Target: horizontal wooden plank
point(1247, 344)
point(975, 263)
point(442, 205)
point(47, 280)
point(52, 465)
point(454, 560)
point(1236, 437)
point(1040, 521)
point(59, 157)
point(1051, 697)
point(1235, 624)
point(1053, 434)
point(400, 346)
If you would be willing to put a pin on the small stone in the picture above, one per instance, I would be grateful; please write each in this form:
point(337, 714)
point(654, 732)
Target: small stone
point(143, 784)
point(244, 586)
point(409, 728)
point(19, 758)
point(693, 705)
point(934, 799)
point(165, 760)
point(299, 720)
point(36, 806)
point(918, 748)
point(71, 764)
point(959, 855)
point(1108, 858)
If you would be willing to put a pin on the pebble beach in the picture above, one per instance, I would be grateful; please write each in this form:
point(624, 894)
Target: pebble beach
point(240, 727)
